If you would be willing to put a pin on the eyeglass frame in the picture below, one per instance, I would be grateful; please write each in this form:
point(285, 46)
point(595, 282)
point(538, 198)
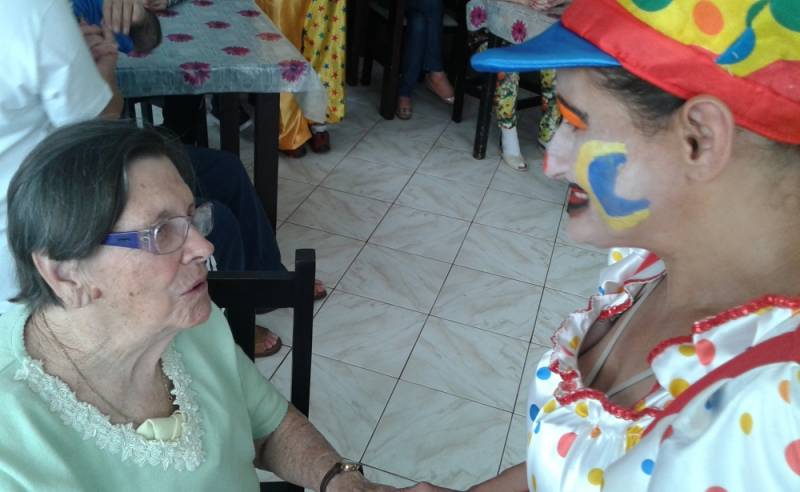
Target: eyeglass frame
point(147, 239)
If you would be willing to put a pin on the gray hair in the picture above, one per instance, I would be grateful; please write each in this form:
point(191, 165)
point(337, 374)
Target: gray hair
point(71, 190)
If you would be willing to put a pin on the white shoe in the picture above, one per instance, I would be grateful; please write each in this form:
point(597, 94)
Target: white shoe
point(516, 162)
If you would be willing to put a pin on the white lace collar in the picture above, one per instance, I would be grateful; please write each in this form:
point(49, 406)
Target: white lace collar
point(183, 454)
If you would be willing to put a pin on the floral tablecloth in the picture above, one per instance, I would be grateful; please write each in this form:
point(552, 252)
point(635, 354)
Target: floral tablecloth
point(512, 22)
point(217, 46)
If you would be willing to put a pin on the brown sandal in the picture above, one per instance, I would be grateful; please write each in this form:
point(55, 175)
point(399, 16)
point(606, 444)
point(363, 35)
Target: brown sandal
point(262, 349)
point(403, 112)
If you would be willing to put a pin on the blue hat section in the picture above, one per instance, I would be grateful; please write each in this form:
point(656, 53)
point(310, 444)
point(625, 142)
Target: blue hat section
point(557, 47)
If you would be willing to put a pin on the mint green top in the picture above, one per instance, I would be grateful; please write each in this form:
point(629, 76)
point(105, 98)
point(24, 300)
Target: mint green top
point(51, 441)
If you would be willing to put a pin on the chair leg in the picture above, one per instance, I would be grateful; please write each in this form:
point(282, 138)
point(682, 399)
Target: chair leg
point(391, 72)
point(485, 109)
point(369, 56)
point(461, 54)
point(202, 125)
point(357, 18)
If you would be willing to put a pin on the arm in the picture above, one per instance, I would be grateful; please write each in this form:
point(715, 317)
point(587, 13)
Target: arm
point(101, 43)
point(510, 480)
point(298, 453)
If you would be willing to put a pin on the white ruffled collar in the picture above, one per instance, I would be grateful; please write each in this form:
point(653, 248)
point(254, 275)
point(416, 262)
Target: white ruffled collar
point(182, 454)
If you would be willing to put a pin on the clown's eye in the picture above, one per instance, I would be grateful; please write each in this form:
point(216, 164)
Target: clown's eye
point(570, 117)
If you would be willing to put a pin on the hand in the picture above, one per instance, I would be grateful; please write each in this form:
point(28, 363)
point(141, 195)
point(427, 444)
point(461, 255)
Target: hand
point(426, 487)
point(103, 46)
point(120, 14)
point(155, 5)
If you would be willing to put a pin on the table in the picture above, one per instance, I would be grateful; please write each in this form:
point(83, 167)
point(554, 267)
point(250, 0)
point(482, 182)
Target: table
point(228, 47)
point(509, 22)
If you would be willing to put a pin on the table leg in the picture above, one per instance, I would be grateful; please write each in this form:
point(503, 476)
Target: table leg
point(357, 16)
point(482, 129)
point(265, 163)
point(391, 72)
point(229, 122)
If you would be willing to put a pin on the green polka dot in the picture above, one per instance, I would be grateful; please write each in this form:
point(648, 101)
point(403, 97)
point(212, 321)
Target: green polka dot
point(652, 5)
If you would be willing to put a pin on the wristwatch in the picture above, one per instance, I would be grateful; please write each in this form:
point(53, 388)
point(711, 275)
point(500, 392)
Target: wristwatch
point(340, 467)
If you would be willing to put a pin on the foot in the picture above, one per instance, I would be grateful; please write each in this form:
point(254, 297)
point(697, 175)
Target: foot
point(294, 153)
point(320, 142)
point(267, 343)
point(404, 108)
point(319, 290)
point(515, 162)
point(438, 84)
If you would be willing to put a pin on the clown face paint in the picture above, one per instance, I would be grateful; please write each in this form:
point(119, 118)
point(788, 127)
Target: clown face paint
point(598, 166)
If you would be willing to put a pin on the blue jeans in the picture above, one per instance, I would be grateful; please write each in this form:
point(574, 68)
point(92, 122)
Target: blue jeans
point(242, 236)
point(423, 42)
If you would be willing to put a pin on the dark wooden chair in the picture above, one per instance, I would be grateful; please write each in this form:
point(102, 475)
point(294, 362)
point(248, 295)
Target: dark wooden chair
point(242, 293)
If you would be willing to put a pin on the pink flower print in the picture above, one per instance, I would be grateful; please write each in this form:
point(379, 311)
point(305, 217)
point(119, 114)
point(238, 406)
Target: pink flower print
point(477, 16)
point(217, 25)
point(249, 13)
point(236, 50)
point(519, 31)
point(167, 13)
point(180, 38)
point(203, 3)
point(269, 36)
point(292, 70)
point(196, 73)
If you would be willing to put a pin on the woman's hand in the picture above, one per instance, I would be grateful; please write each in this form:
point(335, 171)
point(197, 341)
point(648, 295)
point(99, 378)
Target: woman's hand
point(155, 5)
point(426, 487)
point(120, 14)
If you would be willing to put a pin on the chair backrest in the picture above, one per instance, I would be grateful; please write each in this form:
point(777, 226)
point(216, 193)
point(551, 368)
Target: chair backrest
point(242, 293)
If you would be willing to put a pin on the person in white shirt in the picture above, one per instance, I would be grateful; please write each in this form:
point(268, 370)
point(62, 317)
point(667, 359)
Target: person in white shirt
point(54, 73)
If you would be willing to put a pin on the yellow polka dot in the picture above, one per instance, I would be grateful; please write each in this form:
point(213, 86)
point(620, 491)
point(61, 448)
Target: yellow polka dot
point(596, 432)
point(686, 349)
point(763, 310)
point(746, 423)
point(530, 436)
point(549, 406)
point(596, 476)
point(616, 256)
point(639, 406)
point(798, 375)
point(575, 342)
point(582, 409)
point(533, 482)
point(632, 436)
point(678, 386)
point(783, 390)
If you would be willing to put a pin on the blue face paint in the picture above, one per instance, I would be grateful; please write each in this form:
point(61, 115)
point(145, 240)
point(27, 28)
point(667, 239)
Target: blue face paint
point(597, 169)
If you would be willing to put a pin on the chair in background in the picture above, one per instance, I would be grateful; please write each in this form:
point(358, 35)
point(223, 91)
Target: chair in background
point(242, 293)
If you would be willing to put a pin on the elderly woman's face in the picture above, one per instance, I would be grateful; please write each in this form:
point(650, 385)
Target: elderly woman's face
point(618, 177)
point(154, 291)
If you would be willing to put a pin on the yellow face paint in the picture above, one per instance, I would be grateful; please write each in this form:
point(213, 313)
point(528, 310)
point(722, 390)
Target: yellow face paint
point(597, 169)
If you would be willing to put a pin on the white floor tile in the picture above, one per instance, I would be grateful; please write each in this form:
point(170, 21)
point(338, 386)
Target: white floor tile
point(516, 451)
point(421, 233)
point(392, 148)
point(535, 353)
point(520, 214)
point(575, 270)
point(458, 165)
point(461, 136)
point(498, 304)
point(368, 179)
point(532, 183)
point(311, 168)
point(334, 253)
point(340, 213)
point(555, 307)
point(427, 435)
point(467, 362)
point(442, 196)
point(505, 253)
point(366, 333)
point(346, 401)
point(379, 476)
point(290, 195)
point(394, 277)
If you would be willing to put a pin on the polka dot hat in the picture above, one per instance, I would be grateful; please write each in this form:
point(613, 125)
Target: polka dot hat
point(745, 52)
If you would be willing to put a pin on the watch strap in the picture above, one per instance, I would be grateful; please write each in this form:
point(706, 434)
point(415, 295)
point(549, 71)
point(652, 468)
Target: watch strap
point(337, 468)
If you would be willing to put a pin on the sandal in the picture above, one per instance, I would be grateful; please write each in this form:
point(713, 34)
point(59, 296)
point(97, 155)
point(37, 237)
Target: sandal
point(403, 111)
point(515, 162)
point(431, 87)
point(320, 142)
point(262, 346)
point(320, 292)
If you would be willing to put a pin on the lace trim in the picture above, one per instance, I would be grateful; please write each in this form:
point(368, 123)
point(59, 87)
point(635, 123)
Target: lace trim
point(183, 454)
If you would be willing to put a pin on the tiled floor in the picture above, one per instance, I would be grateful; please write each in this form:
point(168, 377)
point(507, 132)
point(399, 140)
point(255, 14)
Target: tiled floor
point(447, 277)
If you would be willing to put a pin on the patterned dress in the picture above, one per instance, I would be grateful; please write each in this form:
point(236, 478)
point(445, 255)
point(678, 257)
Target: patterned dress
point(579, 441)
point(324, 46)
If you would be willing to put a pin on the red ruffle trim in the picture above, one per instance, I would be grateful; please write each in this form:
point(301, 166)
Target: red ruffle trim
point(615, 410)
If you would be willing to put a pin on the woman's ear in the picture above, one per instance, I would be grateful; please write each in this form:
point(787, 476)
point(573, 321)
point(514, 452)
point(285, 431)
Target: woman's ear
point(64, 279)
point(707, 129)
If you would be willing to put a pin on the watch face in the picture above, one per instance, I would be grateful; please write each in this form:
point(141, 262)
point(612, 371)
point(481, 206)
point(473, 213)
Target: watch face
point(348, 467)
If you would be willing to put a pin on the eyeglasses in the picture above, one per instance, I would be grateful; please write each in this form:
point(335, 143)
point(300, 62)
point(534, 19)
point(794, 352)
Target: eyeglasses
point(168, 235)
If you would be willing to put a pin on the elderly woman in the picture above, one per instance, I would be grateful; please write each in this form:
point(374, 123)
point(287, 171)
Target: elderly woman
point(117, 371)
point(683, 371)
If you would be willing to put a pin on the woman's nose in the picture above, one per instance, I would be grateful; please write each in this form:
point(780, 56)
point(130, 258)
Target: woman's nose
point(197, 247)
point(557, 163)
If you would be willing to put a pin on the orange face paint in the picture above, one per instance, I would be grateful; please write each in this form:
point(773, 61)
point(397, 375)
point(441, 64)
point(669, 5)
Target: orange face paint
point(569, 115)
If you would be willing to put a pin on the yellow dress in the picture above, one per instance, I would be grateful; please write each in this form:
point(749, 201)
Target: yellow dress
point(317, 29)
